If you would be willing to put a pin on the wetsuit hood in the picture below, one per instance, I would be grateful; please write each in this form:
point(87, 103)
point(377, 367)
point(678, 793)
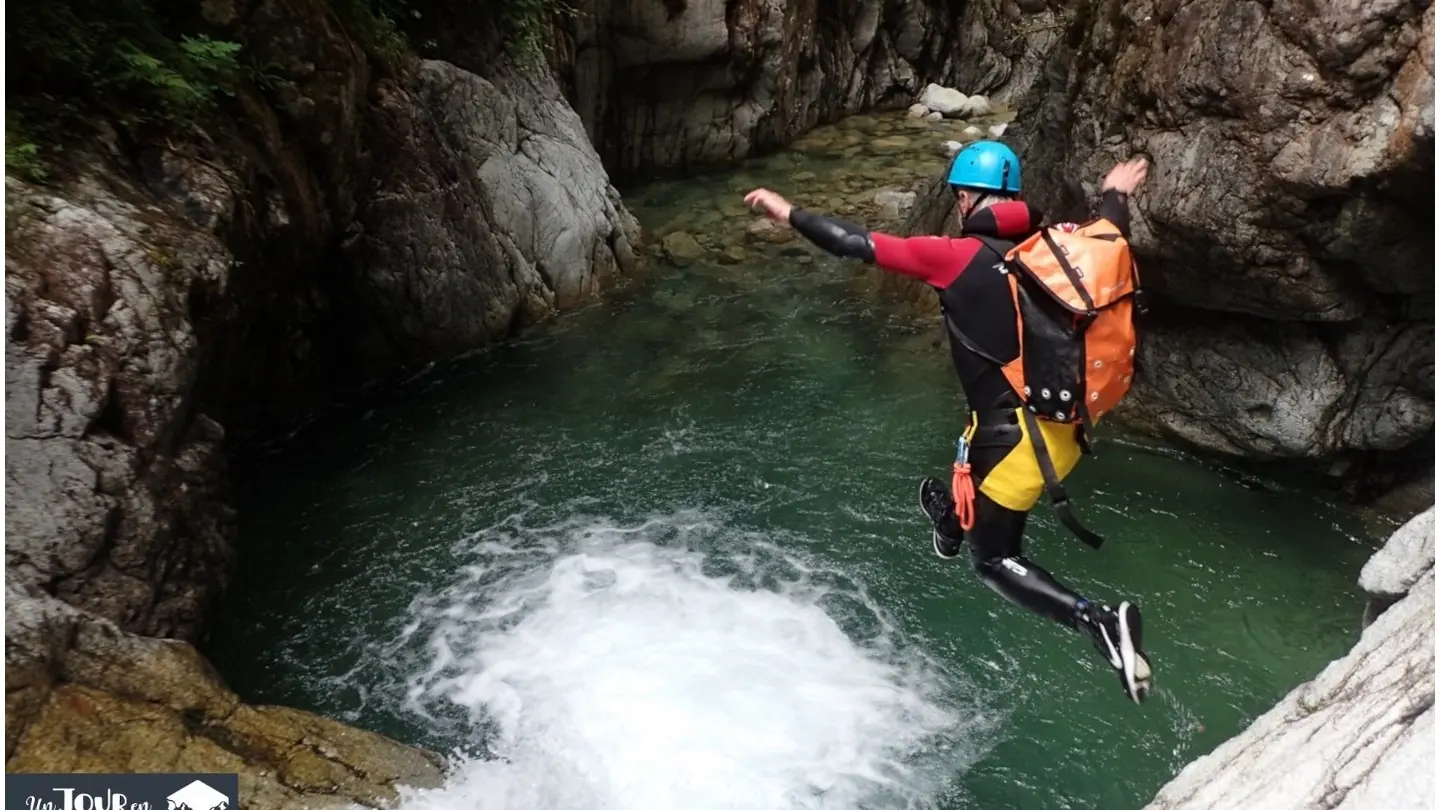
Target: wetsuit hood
point(1012, 220)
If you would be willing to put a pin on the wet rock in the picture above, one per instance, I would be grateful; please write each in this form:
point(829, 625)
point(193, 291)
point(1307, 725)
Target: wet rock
point(767, 230)
point(96, 699)
point(732, 254)
point(918, 111)
point(996, 130)
point(944, 100)
point(735, 207)
point(890, 145)
point(894, 203)
point(951, 148)
point(681, 248)
point(974, 107)
point(934, 116)
point(1359, 736)
point(1394, 569)
point(971, 133)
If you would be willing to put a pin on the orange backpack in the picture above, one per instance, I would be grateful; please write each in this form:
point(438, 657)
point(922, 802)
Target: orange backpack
point(1076, 295)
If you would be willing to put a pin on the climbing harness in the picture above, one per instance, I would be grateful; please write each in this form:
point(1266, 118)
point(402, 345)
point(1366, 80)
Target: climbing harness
point(962, 486)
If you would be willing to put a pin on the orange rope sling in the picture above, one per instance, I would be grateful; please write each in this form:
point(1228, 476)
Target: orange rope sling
point(962, 488)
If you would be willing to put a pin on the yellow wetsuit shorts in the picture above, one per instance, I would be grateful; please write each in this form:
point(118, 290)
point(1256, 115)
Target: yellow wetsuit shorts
point(1015, 482)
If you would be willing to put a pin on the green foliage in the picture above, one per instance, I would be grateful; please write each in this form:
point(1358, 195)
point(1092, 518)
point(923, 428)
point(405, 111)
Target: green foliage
point(375, 23)
point(134, 62)
point(23, 158)
point(148, 64)
point(443, 26)
point(526, 23)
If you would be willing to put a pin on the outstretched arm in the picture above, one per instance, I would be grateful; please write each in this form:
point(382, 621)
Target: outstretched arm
point(936, 260)
point(834, 236)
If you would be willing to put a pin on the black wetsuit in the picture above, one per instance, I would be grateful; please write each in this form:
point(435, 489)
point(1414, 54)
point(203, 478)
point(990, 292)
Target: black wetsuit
point(974, 293)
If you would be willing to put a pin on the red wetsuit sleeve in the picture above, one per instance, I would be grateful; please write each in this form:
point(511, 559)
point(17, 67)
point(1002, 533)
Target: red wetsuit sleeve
point(935, 260)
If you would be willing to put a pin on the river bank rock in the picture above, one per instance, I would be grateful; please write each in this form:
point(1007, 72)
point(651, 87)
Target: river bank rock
point(1288, 207)
point(1393, 571)
point(1361, 735)
point(82, 695)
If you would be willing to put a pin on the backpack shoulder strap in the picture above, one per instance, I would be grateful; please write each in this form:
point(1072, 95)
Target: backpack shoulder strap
point(999, 246)
point(1058, 497)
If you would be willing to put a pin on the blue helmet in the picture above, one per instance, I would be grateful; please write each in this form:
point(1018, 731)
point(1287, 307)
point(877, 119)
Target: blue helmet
point(986, 166)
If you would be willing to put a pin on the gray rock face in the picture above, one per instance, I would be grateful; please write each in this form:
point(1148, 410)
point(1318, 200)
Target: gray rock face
point(1359, 736)
point(665, 85)
point(114, 482)
point(493, 212)
point(1286, 226)
point(1395, 569)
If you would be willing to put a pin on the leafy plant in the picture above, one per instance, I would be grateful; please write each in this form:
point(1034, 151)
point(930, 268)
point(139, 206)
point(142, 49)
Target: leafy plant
point(528, 21)
point(135, 62)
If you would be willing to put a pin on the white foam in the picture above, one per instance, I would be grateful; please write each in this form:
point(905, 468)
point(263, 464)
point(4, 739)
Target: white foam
point(611, 670)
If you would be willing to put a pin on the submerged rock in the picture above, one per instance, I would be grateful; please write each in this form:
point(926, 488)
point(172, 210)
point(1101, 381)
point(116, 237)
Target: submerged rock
point(1359, 736)
point(766, 230)
point(681, 248)
point(894, 203)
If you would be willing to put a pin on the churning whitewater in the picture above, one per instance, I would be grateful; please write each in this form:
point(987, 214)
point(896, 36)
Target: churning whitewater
point(678, 664)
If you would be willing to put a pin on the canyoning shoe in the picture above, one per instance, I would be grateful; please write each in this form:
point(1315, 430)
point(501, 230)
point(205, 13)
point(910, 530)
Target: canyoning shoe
point(936, 504)
point(1117, 635)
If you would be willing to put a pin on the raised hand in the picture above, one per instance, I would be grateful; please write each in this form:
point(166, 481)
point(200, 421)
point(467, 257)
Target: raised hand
point(1127, 176)
point(775, 206)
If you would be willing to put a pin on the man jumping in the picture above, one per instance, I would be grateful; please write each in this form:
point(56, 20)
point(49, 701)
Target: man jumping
point(970, 278)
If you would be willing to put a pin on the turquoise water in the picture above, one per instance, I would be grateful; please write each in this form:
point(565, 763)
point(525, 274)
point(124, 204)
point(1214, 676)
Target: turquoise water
point(665, 552)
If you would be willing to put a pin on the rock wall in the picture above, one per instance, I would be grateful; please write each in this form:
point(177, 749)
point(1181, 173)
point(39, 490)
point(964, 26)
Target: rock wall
point(336, 224)
point(84, 696)
point(685, 83)
point(1361, 735)
point(1286, 226)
